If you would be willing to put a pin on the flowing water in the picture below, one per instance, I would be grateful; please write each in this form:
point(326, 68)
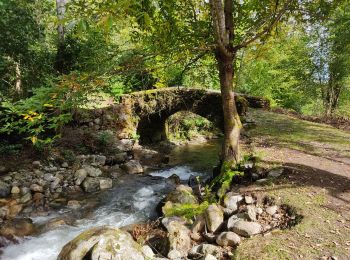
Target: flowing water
point(132, 200)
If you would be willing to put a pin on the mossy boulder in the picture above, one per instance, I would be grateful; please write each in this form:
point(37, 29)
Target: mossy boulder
point(102, 243)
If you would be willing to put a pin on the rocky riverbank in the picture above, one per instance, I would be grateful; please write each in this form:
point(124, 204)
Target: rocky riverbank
point(46, 186)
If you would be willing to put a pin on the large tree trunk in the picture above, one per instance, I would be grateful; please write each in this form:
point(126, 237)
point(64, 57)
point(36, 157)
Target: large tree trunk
point(232, 124)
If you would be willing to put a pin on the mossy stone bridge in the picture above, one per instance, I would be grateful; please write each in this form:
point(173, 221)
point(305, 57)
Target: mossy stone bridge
point(151, 108)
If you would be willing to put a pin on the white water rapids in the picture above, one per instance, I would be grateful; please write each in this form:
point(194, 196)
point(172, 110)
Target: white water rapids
point(131, 201)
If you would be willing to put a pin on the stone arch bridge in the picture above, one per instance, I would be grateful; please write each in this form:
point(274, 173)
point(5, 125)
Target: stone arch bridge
point(148, 110)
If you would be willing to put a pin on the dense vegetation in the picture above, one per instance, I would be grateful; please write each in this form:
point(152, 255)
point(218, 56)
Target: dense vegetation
point(54, 55)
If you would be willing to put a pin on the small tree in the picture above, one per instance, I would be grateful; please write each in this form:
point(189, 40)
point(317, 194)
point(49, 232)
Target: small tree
point(220, 28)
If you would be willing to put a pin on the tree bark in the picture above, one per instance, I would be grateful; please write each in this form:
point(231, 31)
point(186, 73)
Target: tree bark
point(60, 10)
point(18, 84)
point(232, 124)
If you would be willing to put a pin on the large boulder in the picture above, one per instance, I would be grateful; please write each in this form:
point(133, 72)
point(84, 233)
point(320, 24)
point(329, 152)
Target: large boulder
point(182, 195)
point(91, 184)
point(228, 239)
point(18, 227)
point(132, 167)
point(102, 243)
point(246, 228)
point(214, 217)
point(179, 237)
point(80, 176)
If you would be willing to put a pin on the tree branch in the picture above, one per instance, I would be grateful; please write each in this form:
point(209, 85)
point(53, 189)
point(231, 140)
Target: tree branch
point(268, 28)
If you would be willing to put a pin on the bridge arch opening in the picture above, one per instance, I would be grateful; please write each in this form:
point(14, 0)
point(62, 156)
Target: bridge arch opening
point(181, 125)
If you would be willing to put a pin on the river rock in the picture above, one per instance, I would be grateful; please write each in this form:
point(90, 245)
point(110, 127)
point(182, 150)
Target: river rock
point(91, 184)
point(271, 210)
point(248, 199)
point(14, 210)
point(36, 164)
point(198, 227)
point(147, 251)
point(246, 228)
point(182, 195)
point(92, 171)
point(4, 212)
point(80, 176)
point(5, 189)
point(124, 145)
point(103, 243)
point(228, 239)
point(106, 183)
point(25, 198)
point(214, 217)
point(18, 227)
point(15, 190)
point(132, 167)
point(36, 188)
point(251, 212)
point(178, 235)
point(231, 201)
point(118, 158)
point(73, 204)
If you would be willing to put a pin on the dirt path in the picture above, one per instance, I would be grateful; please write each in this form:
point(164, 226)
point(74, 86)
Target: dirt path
point(316, 181)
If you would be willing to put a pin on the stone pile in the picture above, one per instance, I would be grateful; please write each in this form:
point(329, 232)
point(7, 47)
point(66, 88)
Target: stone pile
point(50, 184)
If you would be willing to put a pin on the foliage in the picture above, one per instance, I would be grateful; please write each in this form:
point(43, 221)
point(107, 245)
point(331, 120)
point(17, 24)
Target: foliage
point(40, 117)
point(188, 211)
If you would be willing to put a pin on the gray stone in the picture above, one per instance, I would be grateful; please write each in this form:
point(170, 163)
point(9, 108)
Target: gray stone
point(92, 171)
point(25, 190)
point(120, 157)
point(251, 212)
point(73, 204)
point(5, 189)
point(245, 228)
point(208, 249)
point(231, 221)
point(36, 188)
point(80, 176)
point(103, 243)
point(36, 164)
point(55, 184)
point(248, 199)
point(209, 257)
point(214, 217)
point(262, 181)
point(228, 239)
point(132, 167)
point(106, 183)
point(174, 254)
point(91, 184)
point(231, 201)
point(274, 173)
point(178, 235)
point(65, 165)
point(25, 198)
point(48, 177)
point(125, 145)
point(271, 210)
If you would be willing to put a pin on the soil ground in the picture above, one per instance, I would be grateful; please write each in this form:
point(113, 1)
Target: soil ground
point(316, 181)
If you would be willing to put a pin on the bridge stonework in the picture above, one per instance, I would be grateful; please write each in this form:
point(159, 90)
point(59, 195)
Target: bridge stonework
point(148, 110)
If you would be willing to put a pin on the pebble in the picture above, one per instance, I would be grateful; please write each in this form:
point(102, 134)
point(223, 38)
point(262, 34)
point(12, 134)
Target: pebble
point(15, 190)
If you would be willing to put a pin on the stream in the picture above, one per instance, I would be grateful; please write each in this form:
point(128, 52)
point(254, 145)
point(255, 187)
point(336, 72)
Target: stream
point(132, 200)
